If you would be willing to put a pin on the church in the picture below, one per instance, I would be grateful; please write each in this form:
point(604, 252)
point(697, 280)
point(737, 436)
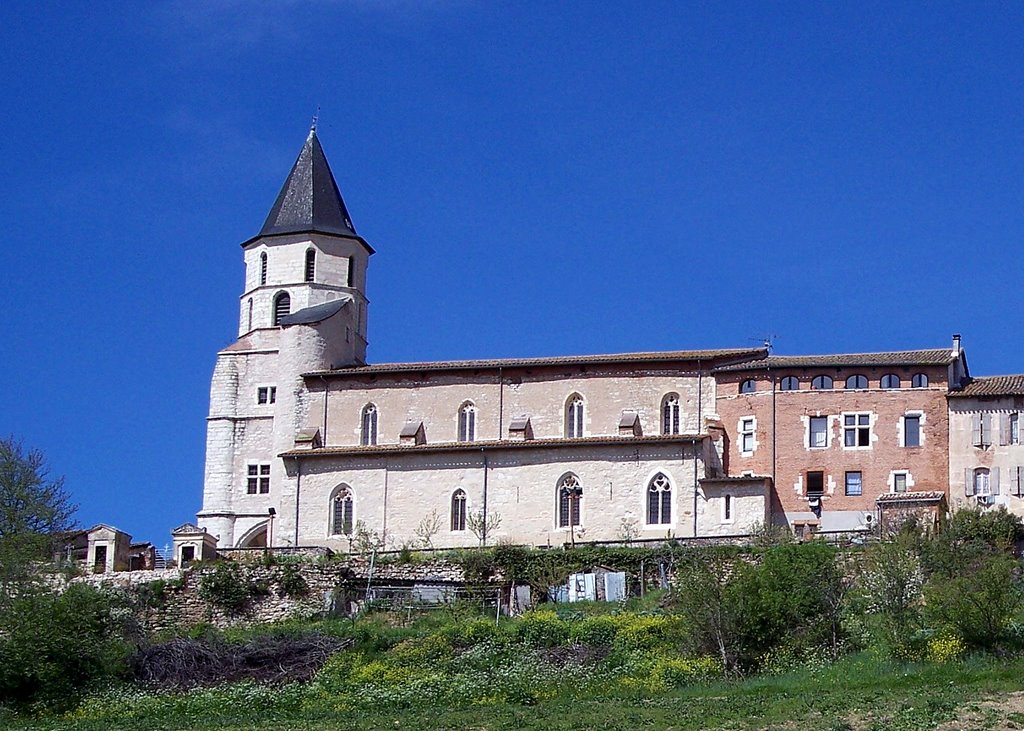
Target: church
point(308, 444)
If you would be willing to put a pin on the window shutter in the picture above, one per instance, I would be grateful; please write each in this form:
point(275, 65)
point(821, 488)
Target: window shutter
point(994, 481)
point(976, 430)
point(986, 429)
point(1004, 429)
point(1016, 480)
point(968, 481)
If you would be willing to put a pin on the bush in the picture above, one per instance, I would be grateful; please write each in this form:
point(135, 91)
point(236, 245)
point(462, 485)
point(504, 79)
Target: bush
point(675, 672)
point(291, 582)
point(945, 648)
point(226, 587)
point(597, 631)
point(52, 646)
point(472, 632)
point(541, 628)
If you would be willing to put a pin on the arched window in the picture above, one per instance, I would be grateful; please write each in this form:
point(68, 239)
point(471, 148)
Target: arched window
point(570, 495)
point(459, 510)
point(890, 380)
point(821, 383)
point(467, 422)
point(748, 386)
point(727, 508)
point(368, 432)
point(574, 416)
point(282, 306)
point(341, 511)
point(263, 268)
point(670, 414)
point(920, 380)
point(789, 383)
point(982, 481)
point(310, 265)
point(857, 381)
point(659, 500)
point(250, 314)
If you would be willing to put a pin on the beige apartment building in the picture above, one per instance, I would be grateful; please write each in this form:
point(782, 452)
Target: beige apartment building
point(986, 456)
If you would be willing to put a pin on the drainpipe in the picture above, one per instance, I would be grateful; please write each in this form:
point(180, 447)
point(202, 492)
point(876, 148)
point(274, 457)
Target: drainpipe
point(700, 428)
point(298, 488)
point(384, 522)
point(324, 429)
point(501, 404)
point(483, 530)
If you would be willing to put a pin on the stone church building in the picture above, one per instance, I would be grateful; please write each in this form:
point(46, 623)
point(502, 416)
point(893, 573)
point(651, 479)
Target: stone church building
point(308, 444)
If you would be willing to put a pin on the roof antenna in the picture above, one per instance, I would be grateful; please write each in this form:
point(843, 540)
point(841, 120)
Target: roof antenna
point(767, 342)
point(316, 118)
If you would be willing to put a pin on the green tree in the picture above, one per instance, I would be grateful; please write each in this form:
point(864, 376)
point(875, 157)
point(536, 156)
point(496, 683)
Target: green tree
point(34, 510)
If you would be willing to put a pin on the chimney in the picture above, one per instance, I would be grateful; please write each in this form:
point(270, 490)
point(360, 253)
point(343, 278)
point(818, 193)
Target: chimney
point(956, 343)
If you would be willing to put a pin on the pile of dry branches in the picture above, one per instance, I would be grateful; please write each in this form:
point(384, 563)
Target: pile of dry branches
point(183, 663)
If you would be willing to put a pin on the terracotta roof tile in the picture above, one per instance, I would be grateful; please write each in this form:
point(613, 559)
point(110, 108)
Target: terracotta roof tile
point(670, 356)
point(992, 386)
point(936, 356)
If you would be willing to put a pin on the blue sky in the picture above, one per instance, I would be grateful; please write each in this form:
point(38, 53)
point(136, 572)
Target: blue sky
point(537, 179)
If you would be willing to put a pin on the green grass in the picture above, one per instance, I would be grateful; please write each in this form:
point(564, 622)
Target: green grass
point(857, 693)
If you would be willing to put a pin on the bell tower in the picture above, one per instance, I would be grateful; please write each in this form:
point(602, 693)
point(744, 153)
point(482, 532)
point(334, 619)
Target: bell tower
point(303, 309)
point(307, 254)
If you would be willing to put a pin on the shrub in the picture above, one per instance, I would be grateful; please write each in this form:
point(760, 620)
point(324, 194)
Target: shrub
point(291, 582)
point(674, 672)
point(597, 631)
point(226, 587)
point(541, 628)
point(471, 632)
point(945, 648)
point(52, 646)
point(431, 650)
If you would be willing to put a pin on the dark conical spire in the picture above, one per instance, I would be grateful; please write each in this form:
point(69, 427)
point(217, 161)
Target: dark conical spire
point(310, 199)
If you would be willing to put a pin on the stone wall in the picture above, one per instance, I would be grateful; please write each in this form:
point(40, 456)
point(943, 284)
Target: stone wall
point(170, 599)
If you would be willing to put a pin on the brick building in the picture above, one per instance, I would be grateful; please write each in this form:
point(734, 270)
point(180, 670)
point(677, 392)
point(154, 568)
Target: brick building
point(834, 432)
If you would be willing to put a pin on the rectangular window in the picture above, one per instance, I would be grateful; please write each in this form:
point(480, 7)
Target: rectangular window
point(258, 479)
point(899, 482)
point(911, 431)
point(818, 437)
point(854, 483)
point(981, 430)
point(815, 484)
point(266, 395)
point(747, 436)
point(857, 430)
point(1014, 428)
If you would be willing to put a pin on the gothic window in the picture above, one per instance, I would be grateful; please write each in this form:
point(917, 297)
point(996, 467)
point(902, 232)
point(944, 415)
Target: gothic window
point(459, 510)
point(263, 268)
point(659, 500)
point(282, 306)
point(574, 416)
point(670, 414)
point(310, 264)
point(467, 422)
point(570, 495)
point(341, 511)
point(368, 433)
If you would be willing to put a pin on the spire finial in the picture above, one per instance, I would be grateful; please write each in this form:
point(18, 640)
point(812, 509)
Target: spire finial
point(316, 118)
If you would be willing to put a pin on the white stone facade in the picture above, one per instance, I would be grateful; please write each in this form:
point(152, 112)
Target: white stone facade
point(267, 478)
